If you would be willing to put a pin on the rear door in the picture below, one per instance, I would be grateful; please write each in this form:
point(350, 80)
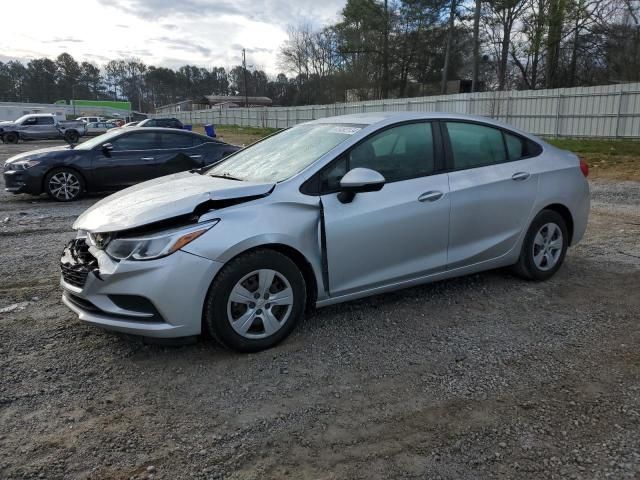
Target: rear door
point(135, 157)
point(180, 152)
point(493, 190)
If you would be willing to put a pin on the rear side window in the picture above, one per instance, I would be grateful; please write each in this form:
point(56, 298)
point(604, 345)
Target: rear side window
point(45, 121)
point(475, 145)
point(519, 147)
point(137, 141)
point(176, 140)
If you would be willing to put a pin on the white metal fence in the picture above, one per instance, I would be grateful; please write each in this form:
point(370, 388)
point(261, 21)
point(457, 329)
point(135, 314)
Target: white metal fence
point(603, 111)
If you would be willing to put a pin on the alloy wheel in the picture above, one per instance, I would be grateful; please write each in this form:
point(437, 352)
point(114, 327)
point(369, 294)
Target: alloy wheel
point(547, 246)
point(260, 304)
point(64, 186)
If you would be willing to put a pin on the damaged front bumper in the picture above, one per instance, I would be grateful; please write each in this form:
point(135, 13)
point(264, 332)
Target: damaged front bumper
point(155, 298)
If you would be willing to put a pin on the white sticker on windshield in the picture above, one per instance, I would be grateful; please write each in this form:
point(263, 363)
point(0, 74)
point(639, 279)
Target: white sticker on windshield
point(345, 130)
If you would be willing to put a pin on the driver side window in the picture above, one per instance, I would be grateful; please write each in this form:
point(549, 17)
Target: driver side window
point(137, 141)
point(398, 153)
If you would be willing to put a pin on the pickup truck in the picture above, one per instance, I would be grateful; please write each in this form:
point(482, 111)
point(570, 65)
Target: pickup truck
point(41, 126)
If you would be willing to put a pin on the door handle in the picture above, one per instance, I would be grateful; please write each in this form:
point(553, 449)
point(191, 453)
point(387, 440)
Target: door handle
point(430, 196)
point(195, 156)
point(147, 158)
point(520, 176)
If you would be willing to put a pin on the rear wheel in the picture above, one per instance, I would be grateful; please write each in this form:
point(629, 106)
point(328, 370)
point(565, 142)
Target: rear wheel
point(64, 185)
point(11, 137)
point(544, 247)
point(255, 301)
point(72, 137)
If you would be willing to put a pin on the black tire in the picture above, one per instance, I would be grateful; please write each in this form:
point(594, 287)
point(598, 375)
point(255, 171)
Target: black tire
point(11, 137)
point(527, 266)
point(216, 320)
point(76, 185)
point(72, 136)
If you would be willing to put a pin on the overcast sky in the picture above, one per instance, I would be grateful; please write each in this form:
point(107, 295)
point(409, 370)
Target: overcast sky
point(161, 32)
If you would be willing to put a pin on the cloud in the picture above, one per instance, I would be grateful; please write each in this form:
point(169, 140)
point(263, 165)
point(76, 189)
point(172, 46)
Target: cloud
point(183, 44)
point(278, 12)
point(205, 33)
point(66, 39)
point(138, 52)
point(170, 8)
point(100, 58)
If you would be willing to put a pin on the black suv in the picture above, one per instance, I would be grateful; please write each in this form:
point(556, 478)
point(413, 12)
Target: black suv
point(161, 122)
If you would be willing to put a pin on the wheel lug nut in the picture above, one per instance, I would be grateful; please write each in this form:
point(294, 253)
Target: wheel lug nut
point(256, 296)
point(259, 312)
point(252, 305)
point(267, 306)
point(266, 295)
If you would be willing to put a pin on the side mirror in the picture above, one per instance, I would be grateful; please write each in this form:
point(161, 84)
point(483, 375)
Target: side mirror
point(359, 180)
point(107, 149)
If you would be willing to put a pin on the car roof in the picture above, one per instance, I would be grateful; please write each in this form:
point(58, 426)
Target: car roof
point(172, 130)
point(388, 118)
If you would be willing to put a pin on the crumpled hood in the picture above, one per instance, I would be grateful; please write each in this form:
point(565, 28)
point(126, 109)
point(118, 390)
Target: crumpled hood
point(163, 198)
point(33, 154)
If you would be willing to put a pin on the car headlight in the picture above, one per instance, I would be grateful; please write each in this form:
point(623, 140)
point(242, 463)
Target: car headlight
point(23, 164)
point(155, 245)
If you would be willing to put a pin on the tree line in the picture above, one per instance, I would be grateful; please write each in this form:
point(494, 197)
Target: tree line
point(379, 49)
point(398, 48)
point(145, 86)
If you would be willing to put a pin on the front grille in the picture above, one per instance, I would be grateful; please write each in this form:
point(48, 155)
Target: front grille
point(76, 263)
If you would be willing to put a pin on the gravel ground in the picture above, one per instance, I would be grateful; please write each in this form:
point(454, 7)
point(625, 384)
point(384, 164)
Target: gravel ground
point(485, 376)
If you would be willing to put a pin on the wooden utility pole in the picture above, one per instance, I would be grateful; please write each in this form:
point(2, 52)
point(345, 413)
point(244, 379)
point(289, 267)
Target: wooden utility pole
point(476, 46)
point(447, 53)
point(385, 54)
point(244, 71)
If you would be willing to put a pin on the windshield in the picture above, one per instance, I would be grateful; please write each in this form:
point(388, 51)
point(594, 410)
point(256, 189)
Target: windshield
point(99, 140)
point(21, 119)
point(284, 154)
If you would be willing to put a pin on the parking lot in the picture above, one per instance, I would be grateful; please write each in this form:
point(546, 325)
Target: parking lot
point(486, 376)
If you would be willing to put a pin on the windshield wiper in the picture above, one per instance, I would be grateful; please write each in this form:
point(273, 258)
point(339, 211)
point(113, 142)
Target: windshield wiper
point(227, 176)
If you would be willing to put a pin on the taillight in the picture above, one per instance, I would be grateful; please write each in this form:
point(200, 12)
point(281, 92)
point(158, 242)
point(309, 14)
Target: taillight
point(584, 167)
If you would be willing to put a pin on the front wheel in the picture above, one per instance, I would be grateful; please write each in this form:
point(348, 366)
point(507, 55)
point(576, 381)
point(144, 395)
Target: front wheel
point(11, 137)
point(544, 247)
point(255, 301)
point(64, 185)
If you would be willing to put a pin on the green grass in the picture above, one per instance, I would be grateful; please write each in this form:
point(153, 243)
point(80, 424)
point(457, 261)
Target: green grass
point(610, 159)
point(597, 146)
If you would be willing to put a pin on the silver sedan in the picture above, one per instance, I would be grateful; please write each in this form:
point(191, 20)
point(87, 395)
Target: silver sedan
point(324, 212)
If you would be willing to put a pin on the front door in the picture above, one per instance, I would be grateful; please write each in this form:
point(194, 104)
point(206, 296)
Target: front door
point(135, 158)
point(398, 233)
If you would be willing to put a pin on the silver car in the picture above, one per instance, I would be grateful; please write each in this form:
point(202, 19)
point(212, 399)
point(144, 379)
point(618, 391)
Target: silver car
point(324, 212)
